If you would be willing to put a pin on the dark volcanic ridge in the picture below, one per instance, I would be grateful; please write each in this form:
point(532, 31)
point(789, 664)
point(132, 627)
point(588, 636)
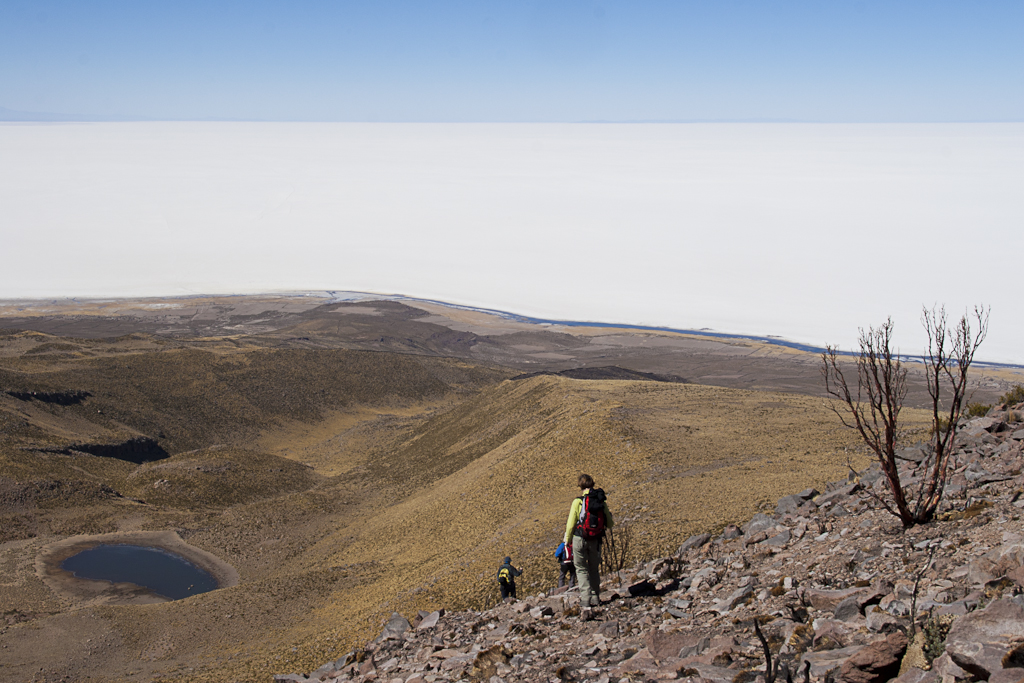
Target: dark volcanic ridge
point(406, 325)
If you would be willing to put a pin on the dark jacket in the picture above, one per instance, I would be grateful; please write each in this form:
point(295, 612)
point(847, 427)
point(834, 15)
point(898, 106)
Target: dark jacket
point(507, 572)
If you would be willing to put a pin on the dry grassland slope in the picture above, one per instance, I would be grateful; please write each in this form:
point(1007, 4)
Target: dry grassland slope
point(345, 485)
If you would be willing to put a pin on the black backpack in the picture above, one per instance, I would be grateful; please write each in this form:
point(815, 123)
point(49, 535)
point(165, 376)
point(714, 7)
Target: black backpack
point(593, 517)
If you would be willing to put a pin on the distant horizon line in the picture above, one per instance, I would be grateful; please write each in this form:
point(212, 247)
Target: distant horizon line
point(339, 296)
point(20, 116)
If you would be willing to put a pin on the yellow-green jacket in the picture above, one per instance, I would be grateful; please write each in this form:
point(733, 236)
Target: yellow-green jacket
point(574, 517)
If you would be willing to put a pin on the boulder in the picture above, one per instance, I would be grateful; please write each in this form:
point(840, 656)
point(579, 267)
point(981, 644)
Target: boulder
point(880, 621)
point(839, 495)
point(824, 661)
point(430, 621)
point(916, 453)
point(737, 597)
point(396, 626)
point(796, 504)
point(759, 522)
point(848, 609)
point(914, 675)
point(541, 611)
point(678, 644)
point(877, 662)
point(979, 641)
point(830, 634)
point(696, 541)
point(642, 663)
point(947, 669)
point(828, 600)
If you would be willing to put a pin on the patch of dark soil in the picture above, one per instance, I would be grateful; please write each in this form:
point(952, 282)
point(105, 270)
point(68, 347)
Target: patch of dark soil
point(16, 496)
point(607, 372)
point(61, 398)
point(17, 528)
point(138, 450)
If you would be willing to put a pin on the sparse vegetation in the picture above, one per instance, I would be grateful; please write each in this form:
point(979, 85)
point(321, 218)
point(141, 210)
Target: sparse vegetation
point(935, 630)
point(975, 409)
point(1013, 396)
point(881, 389)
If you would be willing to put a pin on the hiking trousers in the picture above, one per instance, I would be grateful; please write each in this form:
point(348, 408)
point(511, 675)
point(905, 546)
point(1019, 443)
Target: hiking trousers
point(566, 569)
point(586, 555)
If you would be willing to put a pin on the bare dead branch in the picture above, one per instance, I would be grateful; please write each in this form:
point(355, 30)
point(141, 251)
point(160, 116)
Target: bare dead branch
point(881, 390)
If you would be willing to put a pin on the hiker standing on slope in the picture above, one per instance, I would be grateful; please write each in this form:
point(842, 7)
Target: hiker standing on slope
point(589, 516)
point(507, 579)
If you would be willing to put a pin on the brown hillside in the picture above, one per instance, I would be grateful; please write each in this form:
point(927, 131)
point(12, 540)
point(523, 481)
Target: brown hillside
point(344, 485)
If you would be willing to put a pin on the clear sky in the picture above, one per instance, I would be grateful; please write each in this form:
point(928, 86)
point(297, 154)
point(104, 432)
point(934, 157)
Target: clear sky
point(513, 61)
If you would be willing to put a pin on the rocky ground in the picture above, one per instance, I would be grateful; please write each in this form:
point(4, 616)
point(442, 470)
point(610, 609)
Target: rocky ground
point(836, 586)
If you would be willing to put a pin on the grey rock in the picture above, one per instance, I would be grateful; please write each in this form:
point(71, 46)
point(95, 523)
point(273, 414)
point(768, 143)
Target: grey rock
point(915, 453)
point(839, 494)
point(795, 505)
point(662, 645)
point(541, 611)
point(779, 539)
point(730, 532)
point(880, 621)
point(708, 575)
point(848, 609)
point(828, 600)
point(694, 649)
point(947, 669)
point(738, 596)
point(759, 522)
point(978, 641)
point(877, 662)
point(824, 661)
point(396, 626)
point(695, 541)
point(915, 675)
point(869, 476)
point(430, 621)
point(898, 608)
point(838, 511)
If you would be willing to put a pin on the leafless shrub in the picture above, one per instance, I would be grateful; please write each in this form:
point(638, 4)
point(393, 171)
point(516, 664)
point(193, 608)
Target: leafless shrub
point(615, 549)
point(881, 389)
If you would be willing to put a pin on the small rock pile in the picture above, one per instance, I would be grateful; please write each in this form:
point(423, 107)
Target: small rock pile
point(832, 583)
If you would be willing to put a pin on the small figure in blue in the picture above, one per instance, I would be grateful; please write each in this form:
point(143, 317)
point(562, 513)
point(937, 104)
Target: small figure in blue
point(566, 568)
point(507, 579)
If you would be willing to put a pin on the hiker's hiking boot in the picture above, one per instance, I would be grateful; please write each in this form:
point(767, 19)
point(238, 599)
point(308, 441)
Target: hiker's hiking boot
point(586, 614)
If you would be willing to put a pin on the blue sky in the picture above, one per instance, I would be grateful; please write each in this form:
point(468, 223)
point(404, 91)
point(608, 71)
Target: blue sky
point(898, 61)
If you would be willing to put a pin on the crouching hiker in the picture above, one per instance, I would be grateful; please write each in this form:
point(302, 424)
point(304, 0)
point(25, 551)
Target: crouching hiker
point(507, 579)
point(566, 569)
point(589, 516)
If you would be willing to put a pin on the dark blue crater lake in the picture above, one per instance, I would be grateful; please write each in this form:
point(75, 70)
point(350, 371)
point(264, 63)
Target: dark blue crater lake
point(161, 571)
